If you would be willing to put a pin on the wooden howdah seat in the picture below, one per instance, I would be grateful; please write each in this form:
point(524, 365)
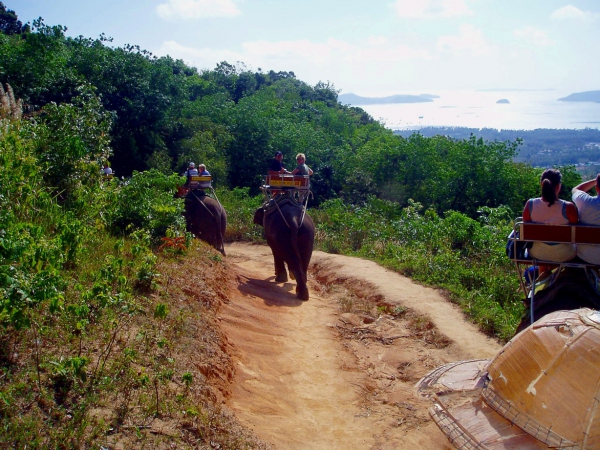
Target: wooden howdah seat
point(525, 234)
point(296, 187)
point(198, 186)
point(284, 182)
point(199, 182)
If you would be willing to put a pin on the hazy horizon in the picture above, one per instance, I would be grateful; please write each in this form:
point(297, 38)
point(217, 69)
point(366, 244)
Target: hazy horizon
point(527, 110)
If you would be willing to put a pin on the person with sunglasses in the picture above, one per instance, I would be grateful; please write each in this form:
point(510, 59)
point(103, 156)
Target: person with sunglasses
point(302, 168)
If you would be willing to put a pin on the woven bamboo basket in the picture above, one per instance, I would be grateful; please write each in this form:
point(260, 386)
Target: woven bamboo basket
point(540, 391)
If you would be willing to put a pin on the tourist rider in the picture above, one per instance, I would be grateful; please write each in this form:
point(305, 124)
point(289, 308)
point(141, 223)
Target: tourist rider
point(191, 170)
point(276, 165)
point(302, 168)
point(551, 210)
point(589, 214)
point(203, 171)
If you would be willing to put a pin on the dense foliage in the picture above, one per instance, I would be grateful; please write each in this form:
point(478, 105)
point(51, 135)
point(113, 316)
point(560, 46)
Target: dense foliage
point(540, 148)
point(165, 113)
point(67, 285)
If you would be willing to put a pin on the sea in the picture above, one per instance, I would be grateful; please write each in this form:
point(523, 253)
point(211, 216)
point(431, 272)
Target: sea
point(525, 110)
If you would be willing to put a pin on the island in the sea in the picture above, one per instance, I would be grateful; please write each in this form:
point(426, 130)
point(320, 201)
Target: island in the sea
point(503, 100)
point(353, 99)
point(587, 96)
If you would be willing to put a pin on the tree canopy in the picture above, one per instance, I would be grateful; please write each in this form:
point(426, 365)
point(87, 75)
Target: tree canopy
point(165, 113)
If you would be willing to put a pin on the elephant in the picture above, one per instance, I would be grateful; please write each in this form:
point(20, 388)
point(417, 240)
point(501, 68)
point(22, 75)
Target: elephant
point(572, 290)
point(291, 234)
point(206, 218)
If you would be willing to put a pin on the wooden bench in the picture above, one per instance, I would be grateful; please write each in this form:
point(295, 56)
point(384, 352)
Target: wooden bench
point(567, 234)
point(528, 233)
point(553, 234)
point(200, 182)
point(295, 187)
point(296, 182)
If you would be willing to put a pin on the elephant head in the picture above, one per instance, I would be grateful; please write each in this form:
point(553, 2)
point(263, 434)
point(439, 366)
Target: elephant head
point(290, 233)
point(206, 218)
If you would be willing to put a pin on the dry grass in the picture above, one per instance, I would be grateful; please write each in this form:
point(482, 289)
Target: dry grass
point(10, 108)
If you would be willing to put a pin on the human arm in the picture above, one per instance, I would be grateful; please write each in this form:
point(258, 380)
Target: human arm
point(572, 214)
point(527, 212)
point(585, 186)
point(276, 168)
point(275, 172)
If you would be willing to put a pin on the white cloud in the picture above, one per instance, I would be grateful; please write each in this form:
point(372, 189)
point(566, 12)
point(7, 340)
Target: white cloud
point(197, 9)
point(332, 51)
point(428, 9)
point(534, 35)
point(309, 60)
point(377, 40)
point(469, 40)
point(572, 12)
point(204, 58)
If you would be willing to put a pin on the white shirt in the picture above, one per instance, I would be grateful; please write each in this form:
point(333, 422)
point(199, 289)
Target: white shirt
point(588, 206)
point(589, 214)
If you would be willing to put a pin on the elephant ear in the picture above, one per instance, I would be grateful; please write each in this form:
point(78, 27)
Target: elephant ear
point(259, 215)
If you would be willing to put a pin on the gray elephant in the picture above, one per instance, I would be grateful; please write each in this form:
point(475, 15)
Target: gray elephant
point(291, 234)
point(206, 218)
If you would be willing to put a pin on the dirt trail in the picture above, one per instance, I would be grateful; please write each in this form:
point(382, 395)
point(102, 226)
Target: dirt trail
point(315, 375)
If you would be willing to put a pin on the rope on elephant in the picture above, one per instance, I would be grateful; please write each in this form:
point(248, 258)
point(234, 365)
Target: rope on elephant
point(202, 203)
point(282, 216)
point(280, 200)
point(304, 205)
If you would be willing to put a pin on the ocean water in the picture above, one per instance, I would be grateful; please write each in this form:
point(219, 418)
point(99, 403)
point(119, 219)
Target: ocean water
point(527, 110)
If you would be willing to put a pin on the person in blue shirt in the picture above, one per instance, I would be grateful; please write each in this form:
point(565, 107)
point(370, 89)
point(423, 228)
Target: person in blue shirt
point(276, 165)
point(202, 170)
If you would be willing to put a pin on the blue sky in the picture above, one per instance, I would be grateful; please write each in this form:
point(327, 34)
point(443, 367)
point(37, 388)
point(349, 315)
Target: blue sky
point(375, 48)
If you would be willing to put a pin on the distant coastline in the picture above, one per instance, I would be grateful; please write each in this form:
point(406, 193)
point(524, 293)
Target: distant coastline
point(587, 96)
point(356, 100)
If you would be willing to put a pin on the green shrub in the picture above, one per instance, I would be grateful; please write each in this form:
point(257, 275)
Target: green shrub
point(240, 207)
point(146, 202)
point(462, 255)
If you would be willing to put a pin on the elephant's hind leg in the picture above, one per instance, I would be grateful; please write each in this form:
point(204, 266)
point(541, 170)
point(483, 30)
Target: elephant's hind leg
point(302, 292)
point(280, 271)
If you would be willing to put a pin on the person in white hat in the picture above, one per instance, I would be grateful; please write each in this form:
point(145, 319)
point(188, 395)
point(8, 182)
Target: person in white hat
point(191, 170)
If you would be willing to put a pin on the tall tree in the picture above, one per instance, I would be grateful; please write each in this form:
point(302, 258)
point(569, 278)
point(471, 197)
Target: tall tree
point(10, 23)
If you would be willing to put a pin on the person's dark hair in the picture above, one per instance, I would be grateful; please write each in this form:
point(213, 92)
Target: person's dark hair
point(550, 179)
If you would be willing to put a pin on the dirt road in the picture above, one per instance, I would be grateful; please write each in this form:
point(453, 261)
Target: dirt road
point(338, 371)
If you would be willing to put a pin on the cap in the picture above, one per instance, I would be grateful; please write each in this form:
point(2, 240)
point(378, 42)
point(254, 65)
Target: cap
point(540, 390)
point(192, 164)
point(278, 153)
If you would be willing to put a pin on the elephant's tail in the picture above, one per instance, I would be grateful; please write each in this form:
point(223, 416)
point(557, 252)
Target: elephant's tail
point(222, 244)
point(220, 227)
